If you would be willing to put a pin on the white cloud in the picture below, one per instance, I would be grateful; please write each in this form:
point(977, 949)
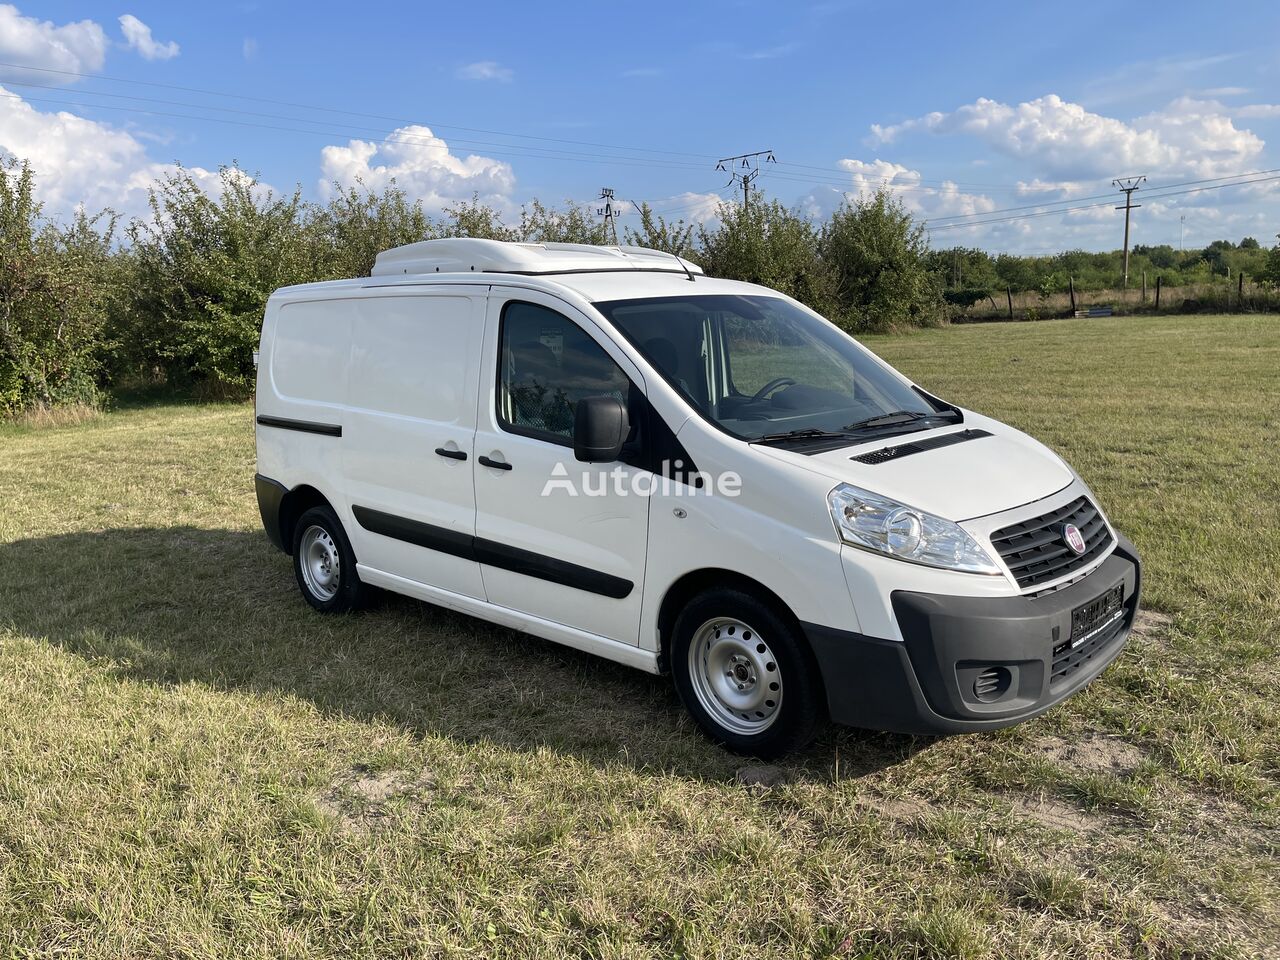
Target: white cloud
point(81, 162)
point(688, 206)
point(922, 200)
point(249, 48)
point(422, 165)
point(78, 47)
point(137, 36)
point(1261, 111)
point(485, 70)
point(1064, 140)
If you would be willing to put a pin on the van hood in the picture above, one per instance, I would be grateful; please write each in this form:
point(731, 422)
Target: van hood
point(959, 481)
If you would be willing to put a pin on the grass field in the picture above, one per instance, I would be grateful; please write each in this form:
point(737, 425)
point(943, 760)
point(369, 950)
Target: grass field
point(193, 764)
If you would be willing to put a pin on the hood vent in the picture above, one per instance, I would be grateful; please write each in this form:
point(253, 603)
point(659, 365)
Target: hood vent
point(885, 454)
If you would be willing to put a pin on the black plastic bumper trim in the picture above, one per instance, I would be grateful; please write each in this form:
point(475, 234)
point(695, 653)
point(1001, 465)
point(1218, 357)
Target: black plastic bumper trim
point(271, 494)
point(304, 426)
point(924, 684)
point(493, 553)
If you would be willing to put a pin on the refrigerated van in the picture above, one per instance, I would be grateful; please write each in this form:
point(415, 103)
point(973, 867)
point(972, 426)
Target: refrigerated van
point(603, 447)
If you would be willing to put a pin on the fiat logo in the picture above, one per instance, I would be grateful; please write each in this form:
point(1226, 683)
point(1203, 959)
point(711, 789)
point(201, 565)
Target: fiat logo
point(1075, 539)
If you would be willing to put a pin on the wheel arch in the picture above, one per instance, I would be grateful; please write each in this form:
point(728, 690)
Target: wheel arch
point(699, 581)
point(293, 505)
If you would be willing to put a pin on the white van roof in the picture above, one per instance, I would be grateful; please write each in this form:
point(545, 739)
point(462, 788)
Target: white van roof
point(465, 254)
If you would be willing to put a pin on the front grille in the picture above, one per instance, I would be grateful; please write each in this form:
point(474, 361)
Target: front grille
point(1067, 661)
point(1036, 552)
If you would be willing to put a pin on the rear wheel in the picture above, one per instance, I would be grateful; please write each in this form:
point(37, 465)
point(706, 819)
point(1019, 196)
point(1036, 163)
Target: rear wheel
point(745, 675)
point(324, 563)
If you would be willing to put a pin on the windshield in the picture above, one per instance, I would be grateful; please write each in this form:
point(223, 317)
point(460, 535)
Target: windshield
point(763, 369)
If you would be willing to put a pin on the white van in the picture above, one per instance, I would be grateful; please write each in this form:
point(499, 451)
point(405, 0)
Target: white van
point(603, 447)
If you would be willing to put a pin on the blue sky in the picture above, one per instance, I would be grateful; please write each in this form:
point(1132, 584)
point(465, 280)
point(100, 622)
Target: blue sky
point(964, 114)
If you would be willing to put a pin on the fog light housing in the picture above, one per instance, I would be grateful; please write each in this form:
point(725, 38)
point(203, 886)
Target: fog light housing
point(992, 684)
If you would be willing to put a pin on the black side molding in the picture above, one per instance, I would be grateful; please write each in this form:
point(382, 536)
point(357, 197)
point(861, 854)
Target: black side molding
point(419, 534)
point(556, 571)
point(305, 426)
point(493, 553)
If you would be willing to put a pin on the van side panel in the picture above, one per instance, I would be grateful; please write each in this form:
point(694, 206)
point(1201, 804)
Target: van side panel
point(414, 366)
point(302, 385)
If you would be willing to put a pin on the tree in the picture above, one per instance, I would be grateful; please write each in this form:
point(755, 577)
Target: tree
point(1271, 272)
point(471, 218)
point(657, 233)
point(358, 224)
point(573, 224)
point(768, 244)
point(206, 264)
point(877, 253)
point(55, 285)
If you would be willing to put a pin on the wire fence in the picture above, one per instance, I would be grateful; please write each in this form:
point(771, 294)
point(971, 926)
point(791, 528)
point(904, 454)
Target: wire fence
point(1224, 296)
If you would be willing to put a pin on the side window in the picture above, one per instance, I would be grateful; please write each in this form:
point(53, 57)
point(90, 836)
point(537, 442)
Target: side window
point(547, 364)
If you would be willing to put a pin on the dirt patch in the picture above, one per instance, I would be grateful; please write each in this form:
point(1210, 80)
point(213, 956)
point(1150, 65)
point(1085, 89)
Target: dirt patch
point(1057, 815)
point(905, 808)
point(760, 777)
point(366, 798)
point(1151, 626)
point(1092, 753)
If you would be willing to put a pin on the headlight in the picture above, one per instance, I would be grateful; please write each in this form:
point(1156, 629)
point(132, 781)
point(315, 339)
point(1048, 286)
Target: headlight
point(869, 520)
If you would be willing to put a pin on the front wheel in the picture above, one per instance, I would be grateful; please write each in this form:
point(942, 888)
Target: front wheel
point(745, 675)
point(324, 563)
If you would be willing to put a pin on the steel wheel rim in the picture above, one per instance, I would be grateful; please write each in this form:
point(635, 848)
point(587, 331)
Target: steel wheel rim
point(320, 562)
point(735, 675)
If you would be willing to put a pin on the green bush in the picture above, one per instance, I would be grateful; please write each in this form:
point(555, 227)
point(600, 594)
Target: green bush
point(204, 266)
point(763, 242)
point(56, 285)
point(876, 254)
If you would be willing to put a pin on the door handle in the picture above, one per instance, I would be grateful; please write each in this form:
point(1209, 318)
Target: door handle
point(451, 454)
point(496, 464)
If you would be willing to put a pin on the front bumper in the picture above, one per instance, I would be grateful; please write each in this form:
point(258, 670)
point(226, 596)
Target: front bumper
point(926, 684)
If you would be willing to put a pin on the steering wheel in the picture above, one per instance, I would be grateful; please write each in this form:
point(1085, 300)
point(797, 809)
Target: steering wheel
point(771, 386)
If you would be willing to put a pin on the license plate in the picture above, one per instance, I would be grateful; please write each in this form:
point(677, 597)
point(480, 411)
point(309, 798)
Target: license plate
point(1099, 613)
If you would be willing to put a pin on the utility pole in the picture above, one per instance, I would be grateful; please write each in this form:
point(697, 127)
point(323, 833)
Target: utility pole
point(743, 169)
point(1127, 185)
point(609, 212)
point(1182, 231)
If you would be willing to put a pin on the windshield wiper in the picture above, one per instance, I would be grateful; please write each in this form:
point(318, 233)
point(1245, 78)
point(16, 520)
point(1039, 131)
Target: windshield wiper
point(808, 433)
point(896, 417)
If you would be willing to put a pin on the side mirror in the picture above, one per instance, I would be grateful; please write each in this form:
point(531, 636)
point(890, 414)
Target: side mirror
point(600, 428)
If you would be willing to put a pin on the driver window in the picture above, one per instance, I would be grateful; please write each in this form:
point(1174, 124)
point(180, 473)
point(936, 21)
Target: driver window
point(761, 349)
point(548, 365)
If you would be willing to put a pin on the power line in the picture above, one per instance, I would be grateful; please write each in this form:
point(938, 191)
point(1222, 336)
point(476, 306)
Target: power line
point(743, 169)
point(1090, 206)
point(336, 110)
point(1100, 196)
point(409, 139)
point(609, 213)
point(532, 151)
point(1127, 186)
point(828, 177)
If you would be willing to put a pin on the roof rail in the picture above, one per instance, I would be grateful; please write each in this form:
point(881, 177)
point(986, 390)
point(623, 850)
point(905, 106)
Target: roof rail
point(472, 255)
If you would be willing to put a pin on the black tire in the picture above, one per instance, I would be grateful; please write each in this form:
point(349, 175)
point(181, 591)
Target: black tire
point(318, 539)
point(767, 727)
